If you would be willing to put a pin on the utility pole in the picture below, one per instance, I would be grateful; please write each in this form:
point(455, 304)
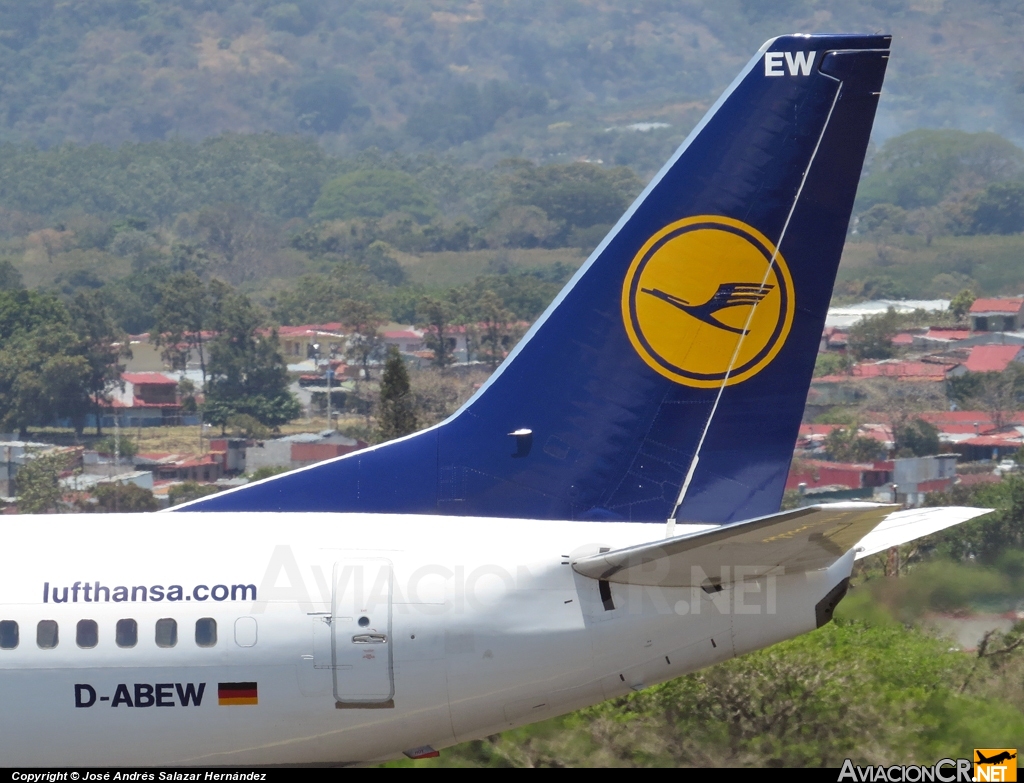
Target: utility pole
point(330, 376)
point(117, 456)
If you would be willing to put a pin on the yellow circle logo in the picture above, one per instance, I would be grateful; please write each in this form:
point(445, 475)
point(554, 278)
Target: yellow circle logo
point(708, 299)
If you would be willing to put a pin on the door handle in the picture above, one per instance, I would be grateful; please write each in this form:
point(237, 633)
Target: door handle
point(370, 638)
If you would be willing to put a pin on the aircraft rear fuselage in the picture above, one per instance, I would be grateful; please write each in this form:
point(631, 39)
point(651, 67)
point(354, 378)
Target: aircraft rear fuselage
point(454, 645)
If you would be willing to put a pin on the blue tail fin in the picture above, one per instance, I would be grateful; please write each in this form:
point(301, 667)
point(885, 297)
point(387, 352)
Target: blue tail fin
point(668, 378)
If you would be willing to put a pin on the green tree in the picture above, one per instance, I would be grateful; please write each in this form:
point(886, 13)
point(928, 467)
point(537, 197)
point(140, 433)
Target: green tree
point(924, 167)
point(495, 328)
point(247, 373)
point(830, 363)
point(871, 337)
point(918, 438)
point(55, 362)
point(189, 311)
point(316, 299)
point(397, 414)
point(267, 471)
point(382, 264)
point(436, 316)
point(960, 304)
point(882, 220)
point(901, 403)
point(40, 381)
point(38, 483)
point(990, 537)
point(102, 345)
point(190, 490)
point(10, 277)
point(999, 209)
point(187, 394)
point(122, 498)
point(845, 444)
point(573, 195)
point(371, 193)
point(124, 444)
point(328, 100)
point(247, 426)
point(364, 343)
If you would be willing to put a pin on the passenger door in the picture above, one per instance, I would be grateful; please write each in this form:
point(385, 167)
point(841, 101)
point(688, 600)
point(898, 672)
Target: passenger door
point(362, 656)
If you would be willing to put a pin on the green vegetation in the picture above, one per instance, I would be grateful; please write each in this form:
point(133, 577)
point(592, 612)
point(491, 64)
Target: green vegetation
point(879, 694)
point(248, 376)
point(190, 490)
point(538, 79)
point(845, 445)
point(923, 168)
point(396, 416)
point(266, 472)
point(993, 536)
point(38, 483)
point(122, 444)
point(55, 361)
point(120, 498)
point(373, 193)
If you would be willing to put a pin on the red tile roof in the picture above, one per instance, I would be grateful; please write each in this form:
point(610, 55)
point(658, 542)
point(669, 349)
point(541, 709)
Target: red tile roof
point(991, 358)
point(941, 333)
point(148, 377)
point(903, 338)
point(956, 417)
point(309, 329)
point(1005, 439)
point(909, 370)
point(971, 479)
point(809, 430)
point(1009, 306)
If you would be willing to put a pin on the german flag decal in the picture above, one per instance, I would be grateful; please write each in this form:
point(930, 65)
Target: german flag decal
point(234, 693)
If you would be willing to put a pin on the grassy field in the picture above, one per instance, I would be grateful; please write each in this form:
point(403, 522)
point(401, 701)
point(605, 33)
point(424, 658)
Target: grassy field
point(173, 440)
point(992, 265)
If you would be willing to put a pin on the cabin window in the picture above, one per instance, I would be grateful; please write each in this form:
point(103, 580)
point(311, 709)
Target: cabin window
point(46, 634)
point(8, 634)
point(127, 633)
point(87, 634)
point(166, 632)
point(206, 632)
point(245, 631)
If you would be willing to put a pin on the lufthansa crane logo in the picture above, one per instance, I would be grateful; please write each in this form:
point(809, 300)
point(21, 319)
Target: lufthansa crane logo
point(708, 299)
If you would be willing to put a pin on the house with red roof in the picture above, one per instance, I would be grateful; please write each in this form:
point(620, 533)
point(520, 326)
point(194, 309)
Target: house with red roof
point(182, 467)
point(847, 388)
point(406, 339)
point(833, 338)
point(997, 315)
point(148, 399)
point(993, 358)
point(817, 474)
point(297, 342)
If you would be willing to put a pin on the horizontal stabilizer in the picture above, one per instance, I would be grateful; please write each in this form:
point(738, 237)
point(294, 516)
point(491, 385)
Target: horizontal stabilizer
point(903, 526)
point(802, 540)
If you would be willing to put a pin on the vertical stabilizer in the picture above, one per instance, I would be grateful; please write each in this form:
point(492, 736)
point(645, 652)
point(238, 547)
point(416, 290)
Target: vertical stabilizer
point(681, 352)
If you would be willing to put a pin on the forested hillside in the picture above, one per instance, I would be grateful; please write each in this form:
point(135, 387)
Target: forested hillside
point(489, 79)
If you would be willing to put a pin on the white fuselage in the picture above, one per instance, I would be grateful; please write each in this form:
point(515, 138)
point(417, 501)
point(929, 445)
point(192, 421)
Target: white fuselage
point(369, 635)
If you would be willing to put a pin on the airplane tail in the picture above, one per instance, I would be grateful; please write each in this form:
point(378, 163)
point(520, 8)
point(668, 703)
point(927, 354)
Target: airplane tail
point(668, 378)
